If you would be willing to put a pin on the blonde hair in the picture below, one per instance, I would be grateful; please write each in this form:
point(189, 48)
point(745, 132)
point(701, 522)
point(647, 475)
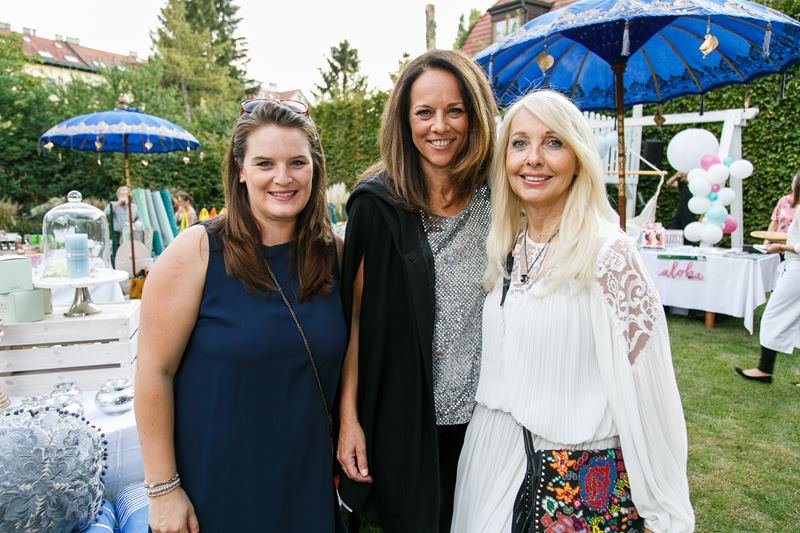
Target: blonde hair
point(585, 214)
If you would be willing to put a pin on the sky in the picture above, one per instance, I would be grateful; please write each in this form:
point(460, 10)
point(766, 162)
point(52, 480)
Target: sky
point(287, 40)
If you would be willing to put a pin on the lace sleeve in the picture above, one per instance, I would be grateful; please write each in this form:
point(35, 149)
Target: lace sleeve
point(629, 293)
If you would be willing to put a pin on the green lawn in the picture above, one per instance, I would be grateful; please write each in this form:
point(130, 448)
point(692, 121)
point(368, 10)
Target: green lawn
point(744, 437)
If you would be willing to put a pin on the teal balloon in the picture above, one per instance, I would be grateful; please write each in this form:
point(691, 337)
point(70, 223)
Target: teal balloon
point(712, 196)
point(727, 161)
point(716, 214)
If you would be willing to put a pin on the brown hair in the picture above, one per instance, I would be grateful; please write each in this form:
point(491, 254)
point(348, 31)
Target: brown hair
point(400, 158)
point(238, 231)
point(796, 189)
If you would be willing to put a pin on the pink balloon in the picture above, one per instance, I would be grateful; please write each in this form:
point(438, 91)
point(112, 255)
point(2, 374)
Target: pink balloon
point(730, 225)
point(709, 160)
point(715, 187)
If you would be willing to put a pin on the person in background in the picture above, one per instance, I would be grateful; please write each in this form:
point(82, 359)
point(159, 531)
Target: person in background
point(682, 216)
point(783, 214)
point(185, 216)
point(578, 424)
point(119, 214)
point(780, 323)
point(411, 283)
point(241, 344)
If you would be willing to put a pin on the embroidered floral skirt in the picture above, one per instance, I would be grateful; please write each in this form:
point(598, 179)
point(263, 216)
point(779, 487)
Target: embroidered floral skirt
point(580, 490)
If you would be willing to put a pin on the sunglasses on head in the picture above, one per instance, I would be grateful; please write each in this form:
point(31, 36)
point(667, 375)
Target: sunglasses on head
point(249, 105)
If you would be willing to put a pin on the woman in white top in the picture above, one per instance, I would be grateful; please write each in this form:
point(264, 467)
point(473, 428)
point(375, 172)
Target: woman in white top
point(780, 323)
point(576, 370)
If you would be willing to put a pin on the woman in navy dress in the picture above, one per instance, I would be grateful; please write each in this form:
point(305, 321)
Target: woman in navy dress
point(234, 431)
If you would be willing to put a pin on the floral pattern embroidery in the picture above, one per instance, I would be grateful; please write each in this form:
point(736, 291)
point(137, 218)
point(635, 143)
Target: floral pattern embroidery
point(629, 292)
point(598, 500)
point(562, 462)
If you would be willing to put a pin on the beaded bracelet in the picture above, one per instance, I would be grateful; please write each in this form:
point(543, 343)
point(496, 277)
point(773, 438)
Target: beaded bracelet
point(159, 488)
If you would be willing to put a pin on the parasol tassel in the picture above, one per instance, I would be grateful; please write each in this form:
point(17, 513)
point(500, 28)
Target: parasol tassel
point(783, 85)
point(767, 37)
point(626, 39)
point(702, 104)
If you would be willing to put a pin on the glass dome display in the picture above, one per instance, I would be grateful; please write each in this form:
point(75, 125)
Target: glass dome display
point(75, 239)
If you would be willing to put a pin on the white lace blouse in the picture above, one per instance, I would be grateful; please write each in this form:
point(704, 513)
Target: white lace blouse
point(579, 370)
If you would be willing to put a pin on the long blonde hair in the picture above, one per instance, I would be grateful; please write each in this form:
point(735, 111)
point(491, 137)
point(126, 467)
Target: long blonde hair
point(587, 211)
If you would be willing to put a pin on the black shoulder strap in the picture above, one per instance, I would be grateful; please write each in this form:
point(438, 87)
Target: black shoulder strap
point(507, 282)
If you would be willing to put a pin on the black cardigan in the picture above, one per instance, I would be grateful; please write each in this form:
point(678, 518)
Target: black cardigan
point(395, 383)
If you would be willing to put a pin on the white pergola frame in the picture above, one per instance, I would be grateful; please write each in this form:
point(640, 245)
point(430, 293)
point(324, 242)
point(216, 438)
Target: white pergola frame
point(730, 145)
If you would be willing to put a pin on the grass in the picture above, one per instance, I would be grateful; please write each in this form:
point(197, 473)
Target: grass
point(744, 437)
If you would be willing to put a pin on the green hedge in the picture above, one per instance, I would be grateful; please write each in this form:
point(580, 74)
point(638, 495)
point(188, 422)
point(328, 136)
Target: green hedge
point(348, 129)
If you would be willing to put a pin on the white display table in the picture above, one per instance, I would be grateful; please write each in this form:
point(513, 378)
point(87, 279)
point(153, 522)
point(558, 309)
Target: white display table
point(692, 278)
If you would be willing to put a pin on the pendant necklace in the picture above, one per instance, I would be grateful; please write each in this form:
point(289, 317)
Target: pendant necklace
point(528, 266)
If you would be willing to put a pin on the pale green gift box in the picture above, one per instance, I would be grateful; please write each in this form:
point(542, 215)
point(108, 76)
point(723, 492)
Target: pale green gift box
point(15, 274)
point(23, 306)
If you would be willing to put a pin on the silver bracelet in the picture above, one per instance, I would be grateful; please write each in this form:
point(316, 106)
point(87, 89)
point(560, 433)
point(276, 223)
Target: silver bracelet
point(154, 485)
point(162, 488)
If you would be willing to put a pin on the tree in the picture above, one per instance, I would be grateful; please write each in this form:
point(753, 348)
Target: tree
point(404, 60)
point(464, 29)
point(190, 60)
point(219, 18)
point(342, 78)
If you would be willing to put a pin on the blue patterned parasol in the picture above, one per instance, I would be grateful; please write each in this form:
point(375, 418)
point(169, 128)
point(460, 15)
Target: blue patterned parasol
point(120, 130)
point(110, 131)
point(609, 54)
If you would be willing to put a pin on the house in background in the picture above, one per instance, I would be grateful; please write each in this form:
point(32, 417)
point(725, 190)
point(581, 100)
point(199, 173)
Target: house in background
point(505, 17)
point(272, 92)
point(64, 59)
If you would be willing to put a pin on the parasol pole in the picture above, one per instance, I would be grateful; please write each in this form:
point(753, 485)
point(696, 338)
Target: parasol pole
point(130, 201)
point(618, 69)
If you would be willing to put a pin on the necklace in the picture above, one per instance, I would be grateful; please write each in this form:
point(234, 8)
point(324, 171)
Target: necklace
point(543, 250)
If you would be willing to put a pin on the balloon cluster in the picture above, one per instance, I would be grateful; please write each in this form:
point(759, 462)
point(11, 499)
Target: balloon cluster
point(693, 147)
point(710, 196)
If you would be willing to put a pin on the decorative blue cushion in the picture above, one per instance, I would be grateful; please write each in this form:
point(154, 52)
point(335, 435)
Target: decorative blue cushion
point(131, 504)
point(50, 472)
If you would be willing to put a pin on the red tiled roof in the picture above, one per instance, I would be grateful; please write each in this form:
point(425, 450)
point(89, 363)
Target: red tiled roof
point(481, 34)
point(69, 55)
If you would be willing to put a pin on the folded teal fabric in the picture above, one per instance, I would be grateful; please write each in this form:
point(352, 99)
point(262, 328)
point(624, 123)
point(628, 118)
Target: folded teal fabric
point(157, 246)
point(163, 220)
point(165, 198)
point(139, 199)
point(151, 211)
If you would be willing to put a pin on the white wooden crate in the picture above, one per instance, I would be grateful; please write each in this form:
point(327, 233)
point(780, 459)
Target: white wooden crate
point(89, 350)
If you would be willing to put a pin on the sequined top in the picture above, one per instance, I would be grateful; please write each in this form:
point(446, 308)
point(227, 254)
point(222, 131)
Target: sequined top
point(458, 244)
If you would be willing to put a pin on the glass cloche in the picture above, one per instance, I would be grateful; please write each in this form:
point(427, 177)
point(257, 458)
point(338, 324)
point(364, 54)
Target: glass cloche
point(75, 239)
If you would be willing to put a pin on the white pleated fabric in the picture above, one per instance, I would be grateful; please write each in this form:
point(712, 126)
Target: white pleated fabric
point(577, 371)
point(780, 323)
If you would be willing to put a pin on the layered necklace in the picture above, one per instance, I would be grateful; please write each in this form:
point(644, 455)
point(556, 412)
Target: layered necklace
point(526, 266)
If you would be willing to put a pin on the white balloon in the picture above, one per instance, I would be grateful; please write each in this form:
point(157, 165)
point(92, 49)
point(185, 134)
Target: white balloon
point(726, 196)
point(718, 173)
point(693, 231)
point(712, 234)
point(695, 173)
point(699, 204)
point(741, 169)
point(689, 146)
point(700, 186)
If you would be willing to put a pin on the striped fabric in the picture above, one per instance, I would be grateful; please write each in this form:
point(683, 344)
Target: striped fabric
point(131, 505)
point(105, 521)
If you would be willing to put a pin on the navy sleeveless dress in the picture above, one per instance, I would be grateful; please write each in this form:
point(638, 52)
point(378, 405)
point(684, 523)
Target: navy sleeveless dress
point(251, 439)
